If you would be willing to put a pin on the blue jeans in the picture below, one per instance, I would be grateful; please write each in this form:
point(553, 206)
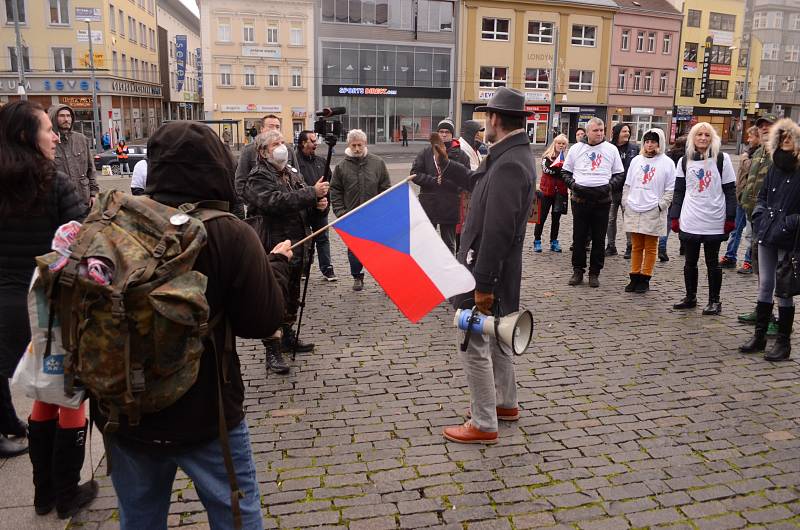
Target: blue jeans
point(736, 236)
point(356, 268)
point(662, 241)
point(143, 483)
point(323, 243)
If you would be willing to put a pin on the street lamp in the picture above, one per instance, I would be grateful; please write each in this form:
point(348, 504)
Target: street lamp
point(20, 56)
point(553, 87)
point(95, 106)
point(745, 94)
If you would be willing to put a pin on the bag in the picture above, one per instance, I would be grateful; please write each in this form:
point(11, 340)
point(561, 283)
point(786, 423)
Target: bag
point(134, 340)
point(787, 274)
point(560, 204)
point(536, 212)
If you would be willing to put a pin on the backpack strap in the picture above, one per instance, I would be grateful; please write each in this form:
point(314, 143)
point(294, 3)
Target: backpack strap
point(720, 162)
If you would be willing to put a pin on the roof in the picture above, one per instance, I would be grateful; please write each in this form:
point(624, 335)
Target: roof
point(177, 9)
point(650, 6)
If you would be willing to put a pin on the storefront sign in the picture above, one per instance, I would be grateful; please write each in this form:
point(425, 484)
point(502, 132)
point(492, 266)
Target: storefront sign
point(180, 60)
point(191, 96)
point(537, 96)
point(721, 38)
point(151, 113)
point(720, 69)
point(706, 70)
point(129, 87)
point(714, 112)
point(299, 112)
point(537, 108)
point(568, 110)
point(684, 110)
point(93, 14)
point(272, 52)
point(69, 85)
point(135, 114)
point(77, 102)
point(99, 60)
point(97, 36)
point(252, 107)
point(689, 66)
point(643, 110)
point(485, 95)
point(116, 114)
point(386, 91)
point(543, 57)
point(199, 68)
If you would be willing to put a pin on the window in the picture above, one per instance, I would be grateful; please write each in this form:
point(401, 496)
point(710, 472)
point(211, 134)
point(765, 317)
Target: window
point(537, 78)
point(651, 43)
point(687, 87)
point(794, 21)
point(124, 65)
point(760, 20)
point(540, 32)
point(690, 52)
point(272, 32)
point(771, 51)
point(666, 44)
point(738, 90)
point(788, 84)
point(640, 41)
point(581, 80)
point(225, 75)
point(493, 76)
point(132, 29)
point(637, 80)
point(26, 59)
point(722, 22)
point(134, 75)
point(62, 59)
point(720, 55)
point(59, 12)
point(626, 40)
point(112, 18)
point(296, 34)
point(272, 76)
point(114, 63)
point(143, 35)
point(717, 89)
point(249, 76)
point(693, 18)
point(791, 53)
point(297, 77)
point(766, 83)
point(20, 12)
point(621, 80)
point(152, 39)
point(494, 29)
point(121, 23)
point(224, 30)
point(248, 31)
point(663, 81)
point(171, 50)
point(648, 81)
point(775, 20)
point(583, 35)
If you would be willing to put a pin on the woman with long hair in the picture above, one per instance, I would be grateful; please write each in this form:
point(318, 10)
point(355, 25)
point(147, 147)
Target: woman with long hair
point(552, 193)
point(776, 220)
point(703, 211)
point(35, 201)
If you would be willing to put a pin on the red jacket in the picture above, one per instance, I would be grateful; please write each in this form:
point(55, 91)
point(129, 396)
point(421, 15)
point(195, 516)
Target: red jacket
point(551, 181)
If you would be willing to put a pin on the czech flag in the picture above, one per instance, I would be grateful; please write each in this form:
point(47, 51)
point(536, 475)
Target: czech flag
point(558, 162)
point(398, 245)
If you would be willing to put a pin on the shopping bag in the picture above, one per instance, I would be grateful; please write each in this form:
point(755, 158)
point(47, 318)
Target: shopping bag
point(536, 211)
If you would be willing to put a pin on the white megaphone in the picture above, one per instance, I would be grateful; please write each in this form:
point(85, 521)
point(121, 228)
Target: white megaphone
point(514, 330)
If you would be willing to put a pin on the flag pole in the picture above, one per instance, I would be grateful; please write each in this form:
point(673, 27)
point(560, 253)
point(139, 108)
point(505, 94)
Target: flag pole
point(348, 214)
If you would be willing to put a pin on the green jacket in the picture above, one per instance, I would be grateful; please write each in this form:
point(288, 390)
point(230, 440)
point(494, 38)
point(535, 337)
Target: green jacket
point(762, 161)
point(357, 180)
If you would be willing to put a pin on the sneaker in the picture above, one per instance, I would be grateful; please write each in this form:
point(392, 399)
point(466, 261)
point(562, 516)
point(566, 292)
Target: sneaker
point(747, 318)
point(537, 245)
point(554, 246)
point(772, 328)
point(329, 275)
point(469, 434)
point(358, 284)
point(727, 263)
point(747, 268)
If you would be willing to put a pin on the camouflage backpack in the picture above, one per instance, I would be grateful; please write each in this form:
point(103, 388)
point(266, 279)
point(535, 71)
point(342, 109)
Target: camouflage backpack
point(136, 342)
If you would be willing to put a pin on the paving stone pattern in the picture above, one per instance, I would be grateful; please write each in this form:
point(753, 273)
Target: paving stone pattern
point(633, 416)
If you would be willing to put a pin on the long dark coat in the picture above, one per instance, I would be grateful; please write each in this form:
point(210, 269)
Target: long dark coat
point(440, 202)
point(492, 240)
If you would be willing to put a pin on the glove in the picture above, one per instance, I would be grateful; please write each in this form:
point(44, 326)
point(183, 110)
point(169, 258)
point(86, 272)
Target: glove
point(676, 225)
point(484, 302)
point(569, 180)
point(730, 226)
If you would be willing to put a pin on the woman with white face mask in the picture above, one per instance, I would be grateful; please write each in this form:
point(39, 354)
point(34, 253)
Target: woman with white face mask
point(277, 192)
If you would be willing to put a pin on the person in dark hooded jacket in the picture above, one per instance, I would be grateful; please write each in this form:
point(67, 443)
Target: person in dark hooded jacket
point(620, 137)
point(188, 163)
point(73, 154)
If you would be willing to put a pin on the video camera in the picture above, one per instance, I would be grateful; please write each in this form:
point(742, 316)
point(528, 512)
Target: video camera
point(329, 130)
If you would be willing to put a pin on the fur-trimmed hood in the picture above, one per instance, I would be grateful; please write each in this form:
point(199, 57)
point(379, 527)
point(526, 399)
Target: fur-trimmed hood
point(786, 124)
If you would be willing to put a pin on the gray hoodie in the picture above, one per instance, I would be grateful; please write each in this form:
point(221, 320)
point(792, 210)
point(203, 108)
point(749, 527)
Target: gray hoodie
point(74, 156)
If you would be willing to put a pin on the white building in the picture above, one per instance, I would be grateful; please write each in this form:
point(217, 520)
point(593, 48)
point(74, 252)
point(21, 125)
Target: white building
point(179, 32)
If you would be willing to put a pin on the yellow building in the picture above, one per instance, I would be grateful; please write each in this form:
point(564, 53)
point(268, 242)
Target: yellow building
point(258, 60)
point(55, 57)
point(512, 43)
point(712, 44)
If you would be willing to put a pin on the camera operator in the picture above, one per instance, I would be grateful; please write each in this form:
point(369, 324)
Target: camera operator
point(313, 167)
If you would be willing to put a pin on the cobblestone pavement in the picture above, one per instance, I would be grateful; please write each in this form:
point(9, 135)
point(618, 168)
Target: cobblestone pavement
point(633, 415)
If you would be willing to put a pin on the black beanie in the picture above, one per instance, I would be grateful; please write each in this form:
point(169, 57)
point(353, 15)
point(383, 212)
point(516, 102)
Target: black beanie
point(447, 124)
point(652, 136)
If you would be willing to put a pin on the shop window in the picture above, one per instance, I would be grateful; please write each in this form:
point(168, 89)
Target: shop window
point(693, 18)
point(441, 69)
point(687, 87)
point(722, 21)
point(621, 80)
point(625, 41)
point(493, 76)
point(26, 59)
point(581, 80)
point(494, 29)
point(23, 17)
point(537, 78)
point(423, 65)
point(405, 66)
point(367, 65)
point(225, 75)
point(584, 35)
point(540, 32)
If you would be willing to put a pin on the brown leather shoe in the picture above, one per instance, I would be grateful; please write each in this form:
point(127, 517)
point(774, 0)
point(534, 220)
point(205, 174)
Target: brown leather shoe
point(469, 434)
point(502, 414)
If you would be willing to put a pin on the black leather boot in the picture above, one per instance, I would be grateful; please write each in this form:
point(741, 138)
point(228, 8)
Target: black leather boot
point(690, 282)
point(275, 362)
point(644, 284)
point(782, 349)
point(714, 306)
point(577, 277)
point(635, 279)
point(41, 439)
point(289, 338)
point(759, 339)
point(69, 449)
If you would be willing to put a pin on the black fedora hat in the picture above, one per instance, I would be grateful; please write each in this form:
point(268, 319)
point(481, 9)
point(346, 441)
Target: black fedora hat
point(506, 101)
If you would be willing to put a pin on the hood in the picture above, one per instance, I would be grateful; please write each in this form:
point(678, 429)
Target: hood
point(786, 124)
point(53, 111)
point(662, 140)
point(616, 130)
point(469, 129)
point(187, 162)
point(348, 153)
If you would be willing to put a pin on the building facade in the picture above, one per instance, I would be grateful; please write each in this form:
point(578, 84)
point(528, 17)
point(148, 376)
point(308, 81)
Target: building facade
point(776, 24)
point(258, 59)
point(389, 63)
point(512, 43)
point(644, 61)
point(713, 68)
point(56, 61)
point(180, 55)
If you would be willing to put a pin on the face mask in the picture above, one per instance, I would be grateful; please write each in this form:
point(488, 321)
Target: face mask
point(280, 156)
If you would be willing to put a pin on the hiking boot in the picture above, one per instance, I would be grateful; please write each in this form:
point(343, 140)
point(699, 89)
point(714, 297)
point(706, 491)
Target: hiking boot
point(714, 306)
point(782, 349)
point(627, 252)
point(555, 246)
point(41, 440)
point(662, 255)
point(576, 279)
point(594, 280)
point(330, 276)
point(644, 284)
point(631, 287)
point(288, 341)
point(727, 263)
point(68, 453)
point(611, 250)
point(759, 339)
point(746, 268)
point(358, 284)
point(274, 356)
point(537, 245)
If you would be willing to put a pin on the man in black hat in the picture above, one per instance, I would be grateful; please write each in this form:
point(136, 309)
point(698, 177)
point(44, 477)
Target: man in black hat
point(491, 248)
